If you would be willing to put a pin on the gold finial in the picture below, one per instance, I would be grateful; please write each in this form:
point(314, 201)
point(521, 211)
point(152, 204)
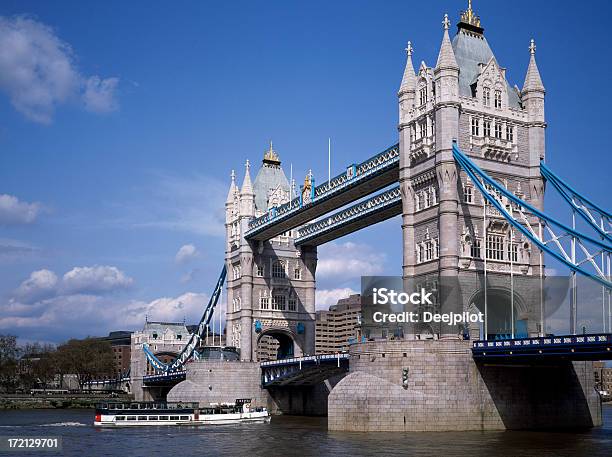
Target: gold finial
point(409, 49)
point(532, 47)
point(446, 22)
point(270, 156)
point(469, 16)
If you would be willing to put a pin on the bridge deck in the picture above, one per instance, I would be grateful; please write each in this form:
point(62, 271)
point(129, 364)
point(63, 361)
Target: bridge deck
point(376, 209)
point(540, 349)
point(370, 176)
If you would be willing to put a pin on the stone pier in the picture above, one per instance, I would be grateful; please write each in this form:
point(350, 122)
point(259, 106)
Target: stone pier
point(446, 390)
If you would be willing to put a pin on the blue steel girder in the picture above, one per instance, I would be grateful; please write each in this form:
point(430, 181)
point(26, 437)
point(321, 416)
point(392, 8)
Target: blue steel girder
point(598, 218)
point(375, 209)
point(549, 235)
point(193, 342)
point(358, 181)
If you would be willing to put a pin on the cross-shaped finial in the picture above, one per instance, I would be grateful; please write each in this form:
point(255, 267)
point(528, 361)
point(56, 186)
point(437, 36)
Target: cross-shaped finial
point(446, 22)
point(409, 49)
point(532, 47)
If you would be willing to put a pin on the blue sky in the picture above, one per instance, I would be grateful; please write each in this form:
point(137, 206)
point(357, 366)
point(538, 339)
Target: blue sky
point(120, 153)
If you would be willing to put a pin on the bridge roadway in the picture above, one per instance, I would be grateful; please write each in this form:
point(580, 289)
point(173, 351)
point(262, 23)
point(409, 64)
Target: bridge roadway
point(375, 209)
point(303, 371)
point(545, 349)
point(359, 180)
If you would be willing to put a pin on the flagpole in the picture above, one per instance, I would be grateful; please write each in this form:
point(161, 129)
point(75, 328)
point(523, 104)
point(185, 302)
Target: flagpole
point(328, 161)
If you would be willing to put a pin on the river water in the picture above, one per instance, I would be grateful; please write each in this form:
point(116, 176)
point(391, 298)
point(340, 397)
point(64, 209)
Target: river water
point(292, 436)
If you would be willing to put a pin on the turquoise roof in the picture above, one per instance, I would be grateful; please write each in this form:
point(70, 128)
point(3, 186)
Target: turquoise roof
point(470, 50)
point(269, 177)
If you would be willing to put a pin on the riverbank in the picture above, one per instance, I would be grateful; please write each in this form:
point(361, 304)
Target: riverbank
point(55, 402)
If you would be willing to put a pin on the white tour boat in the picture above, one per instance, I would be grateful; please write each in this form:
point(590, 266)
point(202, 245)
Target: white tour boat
point(114, 414)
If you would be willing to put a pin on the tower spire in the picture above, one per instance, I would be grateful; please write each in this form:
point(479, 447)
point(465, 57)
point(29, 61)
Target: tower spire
point(446, 57)
point(247, 186)
point(409, 78)
point(232, 189)
point(533, 80)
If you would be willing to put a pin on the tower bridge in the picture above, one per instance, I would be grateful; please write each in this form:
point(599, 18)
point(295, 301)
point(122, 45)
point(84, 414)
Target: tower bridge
point(468, 177)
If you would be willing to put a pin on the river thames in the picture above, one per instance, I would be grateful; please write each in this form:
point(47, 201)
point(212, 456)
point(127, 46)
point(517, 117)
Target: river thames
point(291, 435)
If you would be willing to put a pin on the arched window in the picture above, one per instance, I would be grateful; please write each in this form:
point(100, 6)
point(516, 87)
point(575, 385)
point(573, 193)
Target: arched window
point(498, 99)
point(278, 269)
point(486, 96)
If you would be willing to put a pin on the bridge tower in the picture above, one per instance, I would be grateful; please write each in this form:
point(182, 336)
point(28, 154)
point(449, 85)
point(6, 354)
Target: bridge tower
point(450, 236)
point(271, 284)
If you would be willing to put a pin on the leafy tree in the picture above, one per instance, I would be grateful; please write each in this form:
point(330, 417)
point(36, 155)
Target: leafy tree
point(88, 359)
point(9, 353)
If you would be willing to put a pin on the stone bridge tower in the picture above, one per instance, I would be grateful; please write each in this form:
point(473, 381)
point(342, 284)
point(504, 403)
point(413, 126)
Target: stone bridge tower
point(449, 234)
point(271, 284)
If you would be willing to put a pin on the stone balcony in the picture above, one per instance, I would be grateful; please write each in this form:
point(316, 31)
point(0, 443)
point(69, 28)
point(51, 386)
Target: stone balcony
point(422, 149)
point(495, 148)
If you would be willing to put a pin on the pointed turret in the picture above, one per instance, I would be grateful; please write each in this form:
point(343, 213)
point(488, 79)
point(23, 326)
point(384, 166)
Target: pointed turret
point(446, 57)
point(247, 195)
point(232, 190)
point(247, 186)
point(409, 79)
point(533, 81)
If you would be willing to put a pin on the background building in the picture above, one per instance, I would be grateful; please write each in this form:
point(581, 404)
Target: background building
point(340, 326)
point(120, 342)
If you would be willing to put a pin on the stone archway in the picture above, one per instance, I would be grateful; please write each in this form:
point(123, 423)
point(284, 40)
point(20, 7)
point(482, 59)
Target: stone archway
point(499, 319)
point(275, 344)
point(164, 357)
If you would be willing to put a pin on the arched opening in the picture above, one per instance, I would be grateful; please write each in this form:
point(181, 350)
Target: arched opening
point(499, 315)
point(164, 357)
point(275, 345)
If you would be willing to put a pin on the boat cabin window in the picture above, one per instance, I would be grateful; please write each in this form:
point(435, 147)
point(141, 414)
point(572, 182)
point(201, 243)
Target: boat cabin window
point(174, 418)
point(120, 418)
point(152, 418)
point(142, 418)
point(131, 418)
point(163, 418)
point(184, 418)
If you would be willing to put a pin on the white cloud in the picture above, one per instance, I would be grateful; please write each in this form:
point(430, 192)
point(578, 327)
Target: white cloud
point(13, 211)
point(328, 297)
point(188, 306)
point(80, 315)
point(41, 284)
point(186, 253)
point(38, 72)
point(344, 261)
point(99, 96)
point(96, 279)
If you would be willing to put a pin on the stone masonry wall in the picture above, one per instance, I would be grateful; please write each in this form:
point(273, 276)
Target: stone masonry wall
point(447, 390)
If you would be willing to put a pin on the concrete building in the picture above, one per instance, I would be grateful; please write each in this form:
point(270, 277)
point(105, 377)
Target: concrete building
point(120, 342)
point(270, 285)
point(338, 327)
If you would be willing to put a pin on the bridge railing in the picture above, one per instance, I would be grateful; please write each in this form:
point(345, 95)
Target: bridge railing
point(311, 358)
point(354, 174)
point(375, 203)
